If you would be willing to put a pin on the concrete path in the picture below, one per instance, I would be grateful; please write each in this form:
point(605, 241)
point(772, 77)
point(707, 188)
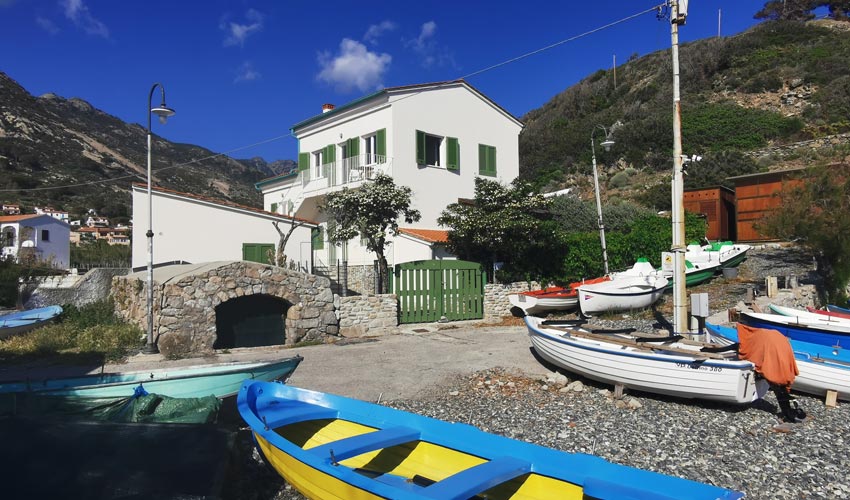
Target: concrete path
point(395, 366)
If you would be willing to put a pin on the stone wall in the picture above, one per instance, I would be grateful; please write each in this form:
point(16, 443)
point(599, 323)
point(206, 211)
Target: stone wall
point(75, 289)
point(361, 279)
point(367, 315)
point(184, 309)
point(496, 303)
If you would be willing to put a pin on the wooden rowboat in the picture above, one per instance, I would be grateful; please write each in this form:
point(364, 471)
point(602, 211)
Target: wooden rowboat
point(670, 366)
point(824, 332)
point(331, 447)
point(221, 380)
point(20, 322)
point(556, 298)
point(822, 368)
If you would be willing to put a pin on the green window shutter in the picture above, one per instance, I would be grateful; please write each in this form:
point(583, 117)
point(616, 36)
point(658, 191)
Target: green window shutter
point(420, 147)
point(486, 160)
point(381, 147)
point(274, 208)
point(354, 146)
point(452, 153)
point(318, 238)
point(491, 160)
point(330, 153)
point(303, 161)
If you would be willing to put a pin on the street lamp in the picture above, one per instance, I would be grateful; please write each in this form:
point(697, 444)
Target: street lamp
point(607, 143)
point(163, 112)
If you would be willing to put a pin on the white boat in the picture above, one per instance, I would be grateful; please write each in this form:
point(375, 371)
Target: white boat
point(807, 317)
point(636, 288)
point(550, 299)
point(822, 368)
point(671, 367)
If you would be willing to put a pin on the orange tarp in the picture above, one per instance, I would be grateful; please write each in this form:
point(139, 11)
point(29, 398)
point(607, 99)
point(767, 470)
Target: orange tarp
point(770, 351)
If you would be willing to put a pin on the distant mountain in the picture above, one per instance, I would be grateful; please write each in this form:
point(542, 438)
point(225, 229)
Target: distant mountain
point(51, 141)
point(744, 98)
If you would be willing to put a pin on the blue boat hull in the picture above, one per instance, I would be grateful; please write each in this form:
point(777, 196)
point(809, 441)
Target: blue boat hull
point(812, 334)
point(286, 421)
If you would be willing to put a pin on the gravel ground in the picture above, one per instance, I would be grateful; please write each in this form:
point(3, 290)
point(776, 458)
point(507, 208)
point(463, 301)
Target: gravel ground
point(741, 448)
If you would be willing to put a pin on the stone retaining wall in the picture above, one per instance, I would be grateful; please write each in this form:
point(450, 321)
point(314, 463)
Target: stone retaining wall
point(184, 310)
point(363, 315)
point(75, 289)
point(496, 303)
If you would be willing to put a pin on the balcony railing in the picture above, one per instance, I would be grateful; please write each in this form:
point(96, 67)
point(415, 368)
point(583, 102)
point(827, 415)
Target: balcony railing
point(344, 172)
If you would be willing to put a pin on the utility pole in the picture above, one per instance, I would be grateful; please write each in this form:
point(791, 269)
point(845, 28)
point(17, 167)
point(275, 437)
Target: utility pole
point(615, 71)
point(718, 22)
point(678, 14)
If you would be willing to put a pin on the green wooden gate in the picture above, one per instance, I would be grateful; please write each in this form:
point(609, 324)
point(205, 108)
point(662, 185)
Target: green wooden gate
point(430, 289)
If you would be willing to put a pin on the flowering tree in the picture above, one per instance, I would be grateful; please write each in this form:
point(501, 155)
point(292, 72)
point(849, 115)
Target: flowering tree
point(370, 212)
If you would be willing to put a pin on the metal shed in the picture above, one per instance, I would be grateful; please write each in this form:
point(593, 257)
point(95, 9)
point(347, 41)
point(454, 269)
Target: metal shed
point(717, 204)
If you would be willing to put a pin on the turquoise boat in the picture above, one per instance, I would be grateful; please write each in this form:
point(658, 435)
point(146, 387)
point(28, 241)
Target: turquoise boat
point(220, 380)
point(332, 447)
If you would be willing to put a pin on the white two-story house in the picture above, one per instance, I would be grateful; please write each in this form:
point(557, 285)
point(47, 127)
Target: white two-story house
point(41, 237)
point(435, 138)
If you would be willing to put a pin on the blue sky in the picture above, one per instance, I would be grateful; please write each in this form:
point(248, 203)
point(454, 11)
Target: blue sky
point(242, 72)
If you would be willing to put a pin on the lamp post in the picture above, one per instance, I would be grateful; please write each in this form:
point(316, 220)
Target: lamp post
point(607, 143)
point(163, 112)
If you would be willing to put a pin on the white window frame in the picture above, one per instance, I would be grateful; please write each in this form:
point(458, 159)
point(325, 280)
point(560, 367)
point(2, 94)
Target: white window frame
point(370, 149)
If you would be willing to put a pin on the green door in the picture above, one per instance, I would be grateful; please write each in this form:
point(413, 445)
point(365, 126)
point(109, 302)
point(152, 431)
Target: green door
point(430, 289)
point(257, 252)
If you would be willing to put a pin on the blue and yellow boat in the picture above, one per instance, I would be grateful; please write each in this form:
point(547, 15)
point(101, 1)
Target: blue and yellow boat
point(332, 447)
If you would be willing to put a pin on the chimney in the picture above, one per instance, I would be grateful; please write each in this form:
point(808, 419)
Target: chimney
point(327, 107)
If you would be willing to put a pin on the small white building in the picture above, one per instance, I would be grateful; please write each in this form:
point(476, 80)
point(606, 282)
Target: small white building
point(45, 238)
point(194, 229)
point(52, 212)
point(435, 138)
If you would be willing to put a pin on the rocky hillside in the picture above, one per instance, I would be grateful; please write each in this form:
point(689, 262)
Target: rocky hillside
point(746, 101)
point(53, 141)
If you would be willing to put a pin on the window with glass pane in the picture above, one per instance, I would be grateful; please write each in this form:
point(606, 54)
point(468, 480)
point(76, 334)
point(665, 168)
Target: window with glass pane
point(370, 145)
point(432, 150)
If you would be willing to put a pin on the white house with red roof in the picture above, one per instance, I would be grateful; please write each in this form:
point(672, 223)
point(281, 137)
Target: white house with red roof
point(39, 236)
point(435, 138)
point(192, 228)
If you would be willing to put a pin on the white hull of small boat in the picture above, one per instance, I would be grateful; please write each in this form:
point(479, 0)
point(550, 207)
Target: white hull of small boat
point(652, 368)
point(622, 293)
point(536, 305)
point(807, 317)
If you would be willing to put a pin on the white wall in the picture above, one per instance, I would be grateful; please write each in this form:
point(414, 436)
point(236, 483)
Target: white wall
point(56, 250)
point(195, 232)
point(449, 112)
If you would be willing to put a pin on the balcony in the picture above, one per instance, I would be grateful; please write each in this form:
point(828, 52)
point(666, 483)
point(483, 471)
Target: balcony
point(348, 172)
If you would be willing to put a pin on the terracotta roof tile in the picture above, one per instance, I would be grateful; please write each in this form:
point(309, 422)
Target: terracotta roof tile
point(16, 218)
point(429, 235)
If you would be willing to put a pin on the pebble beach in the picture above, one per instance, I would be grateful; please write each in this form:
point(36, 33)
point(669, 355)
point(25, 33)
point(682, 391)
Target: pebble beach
point(745, 448)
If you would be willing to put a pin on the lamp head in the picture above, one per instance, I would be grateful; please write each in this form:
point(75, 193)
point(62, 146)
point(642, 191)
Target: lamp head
point(163, 113)
point(607, 143)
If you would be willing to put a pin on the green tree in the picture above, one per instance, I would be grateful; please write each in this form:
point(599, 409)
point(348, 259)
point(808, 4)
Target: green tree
point(814, 213)
point(370, 212)
point(789, 10)
point(507, 224)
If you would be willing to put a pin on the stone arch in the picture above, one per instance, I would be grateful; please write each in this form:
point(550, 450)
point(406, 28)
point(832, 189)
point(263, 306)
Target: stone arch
point(251, 321)
point(186, 298)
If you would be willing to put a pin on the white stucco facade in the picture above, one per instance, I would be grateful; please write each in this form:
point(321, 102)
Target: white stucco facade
point(450, 120)
point(194, 229)
point(48, 237)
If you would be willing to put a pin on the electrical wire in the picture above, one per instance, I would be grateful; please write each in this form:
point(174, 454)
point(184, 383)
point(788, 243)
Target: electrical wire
point(227, 153)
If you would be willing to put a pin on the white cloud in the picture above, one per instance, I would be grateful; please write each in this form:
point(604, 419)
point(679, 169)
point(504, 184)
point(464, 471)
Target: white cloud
point(238, 32)
point(430, 52)
point(47, 25)
point(247, 73)
point(77, 12)
point(375, 31)
point(354, 67)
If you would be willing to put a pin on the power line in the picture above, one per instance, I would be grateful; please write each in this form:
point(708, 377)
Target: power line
point(470, 75)
point(131, 176)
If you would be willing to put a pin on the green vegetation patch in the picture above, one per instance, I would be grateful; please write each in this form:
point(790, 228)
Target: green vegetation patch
point(724, 126)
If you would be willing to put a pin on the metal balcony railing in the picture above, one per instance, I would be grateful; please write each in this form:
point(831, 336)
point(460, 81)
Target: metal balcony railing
point(344, 172)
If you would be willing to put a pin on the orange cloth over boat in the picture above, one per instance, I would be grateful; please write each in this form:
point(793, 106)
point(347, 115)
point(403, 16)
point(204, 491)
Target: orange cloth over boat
point(770, 351)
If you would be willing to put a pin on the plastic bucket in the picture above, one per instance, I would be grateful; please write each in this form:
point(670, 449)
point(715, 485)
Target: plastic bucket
point(730, 272)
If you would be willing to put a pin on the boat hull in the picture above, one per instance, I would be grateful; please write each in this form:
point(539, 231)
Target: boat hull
point(222, 381)
point(729, 381)
point(331, 447)
point(821, 368)
point(620, 294)
point(21, 322)
point(542, 304)
point(793, 328)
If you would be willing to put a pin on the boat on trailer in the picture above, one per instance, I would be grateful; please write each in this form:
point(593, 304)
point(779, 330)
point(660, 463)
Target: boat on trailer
point(332, 447)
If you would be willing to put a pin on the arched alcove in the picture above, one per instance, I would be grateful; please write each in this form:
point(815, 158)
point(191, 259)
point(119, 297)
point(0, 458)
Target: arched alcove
point(251, 321)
